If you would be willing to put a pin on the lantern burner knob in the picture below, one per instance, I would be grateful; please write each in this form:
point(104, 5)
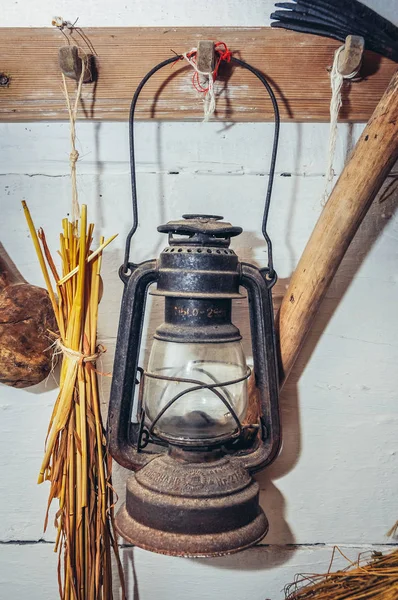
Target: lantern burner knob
point(200, 230)
point(203, 217)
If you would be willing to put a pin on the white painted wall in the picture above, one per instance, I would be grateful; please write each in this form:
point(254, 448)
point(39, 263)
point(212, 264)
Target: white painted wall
point(334, 482)
point(138, 13)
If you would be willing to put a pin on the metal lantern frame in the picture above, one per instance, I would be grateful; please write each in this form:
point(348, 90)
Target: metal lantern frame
point(197, 267)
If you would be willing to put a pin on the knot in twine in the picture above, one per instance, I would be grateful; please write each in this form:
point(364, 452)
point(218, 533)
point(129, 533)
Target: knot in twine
point(209, 101)
point(76, 355)
point(336, 83)
point(73, 157)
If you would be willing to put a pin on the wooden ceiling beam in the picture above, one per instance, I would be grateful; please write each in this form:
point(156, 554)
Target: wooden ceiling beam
point(296, 65)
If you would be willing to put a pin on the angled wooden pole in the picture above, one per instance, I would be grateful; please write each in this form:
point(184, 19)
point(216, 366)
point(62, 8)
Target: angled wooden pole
point(373, 157)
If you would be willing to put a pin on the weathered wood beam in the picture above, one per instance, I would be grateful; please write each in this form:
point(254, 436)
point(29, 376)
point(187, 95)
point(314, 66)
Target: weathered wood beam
point(296, 64)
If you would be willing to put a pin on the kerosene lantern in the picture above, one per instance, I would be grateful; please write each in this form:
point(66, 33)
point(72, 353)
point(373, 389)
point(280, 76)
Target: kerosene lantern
point(191, 446)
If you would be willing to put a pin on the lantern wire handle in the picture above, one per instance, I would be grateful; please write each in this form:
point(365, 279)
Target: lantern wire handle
point(271, 275)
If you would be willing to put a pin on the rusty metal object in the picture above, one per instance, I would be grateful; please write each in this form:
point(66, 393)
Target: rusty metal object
point(190, 504)
point(4, 80)
point(26, 316)
point(199, 499)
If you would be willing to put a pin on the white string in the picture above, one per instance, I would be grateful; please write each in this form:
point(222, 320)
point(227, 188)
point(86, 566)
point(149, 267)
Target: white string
point(336, 82)
point(74, 355)
point(74, 155)
point(209, 101)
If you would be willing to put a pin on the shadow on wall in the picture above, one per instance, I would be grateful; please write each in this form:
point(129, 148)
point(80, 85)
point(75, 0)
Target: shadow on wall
point(130, 574)
point(144, 570)
point(370, 66)
point(380, 213)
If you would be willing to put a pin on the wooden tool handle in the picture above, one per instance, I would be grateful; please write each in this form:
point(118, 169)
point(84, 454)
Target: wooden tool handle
point(9, 274)
point(357, 186)
point(26, 319)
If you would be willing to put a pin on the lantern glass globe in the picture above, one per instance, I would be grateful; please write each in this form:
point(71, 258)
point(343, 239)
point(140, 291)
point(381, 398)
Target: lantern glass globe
point(200, 413)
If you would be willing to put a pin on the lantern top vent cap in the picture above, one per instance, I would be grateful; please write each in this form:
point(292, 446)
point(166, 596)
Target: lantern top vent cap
point(202, 225)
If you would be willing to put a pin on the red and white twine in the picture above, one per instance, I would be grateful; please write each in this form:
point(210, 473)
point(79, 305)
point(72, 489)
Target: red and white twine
point(209, 101)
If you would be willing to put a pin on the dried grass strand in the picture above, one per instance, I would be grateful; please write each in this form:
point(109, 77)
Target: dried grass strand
point(376, 578)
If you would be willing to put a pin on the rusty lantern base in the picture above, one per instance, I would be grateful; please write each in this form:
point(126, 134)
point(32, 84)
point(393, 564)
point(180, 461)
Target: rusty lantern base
point(180, 506)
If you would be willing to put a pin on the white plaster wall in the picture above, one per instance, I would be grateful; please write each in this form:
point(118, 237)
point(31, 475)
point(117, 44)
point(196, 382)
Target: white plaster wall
point(334, 482)
point(141, 13)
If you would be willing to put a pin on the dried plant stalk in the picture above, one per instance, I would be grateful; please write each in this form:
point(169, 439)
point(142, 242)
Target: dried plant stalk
point(376, 579)
point(75, 461)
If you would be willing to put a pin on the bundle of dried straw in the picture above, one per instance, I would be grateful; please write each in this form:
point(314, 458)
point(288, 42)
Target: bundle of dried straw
point(76, 461)
point(375, 579)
